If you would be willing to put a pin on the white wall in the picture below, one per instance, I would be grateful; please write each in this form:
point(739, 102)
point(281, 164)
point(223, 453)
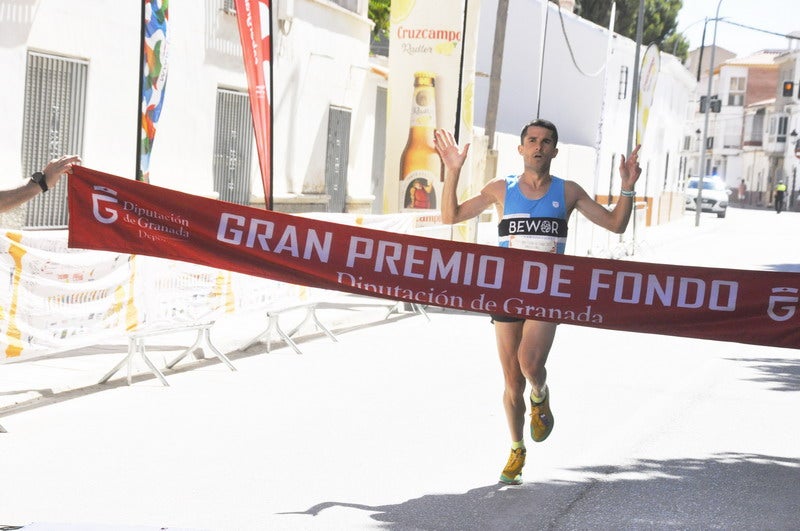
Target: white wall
point(569, 99)
point(72, 29)
point(586, 109)
point(321, 59)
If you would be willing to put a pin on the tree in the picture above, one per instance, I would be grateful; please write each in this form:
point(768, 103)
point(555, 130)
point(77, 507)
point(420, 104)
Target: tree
point(379, 11)
point(660, 21)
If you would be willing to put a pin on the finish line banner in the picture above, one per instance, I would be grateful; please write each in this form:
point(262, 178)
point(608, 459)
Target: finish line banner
point(115, 214)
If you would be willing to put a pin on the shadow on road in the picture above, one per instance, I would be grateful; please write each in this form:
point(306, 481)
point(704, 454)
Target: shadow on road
point(782, 373)
point(784, 268)
point(722, 492)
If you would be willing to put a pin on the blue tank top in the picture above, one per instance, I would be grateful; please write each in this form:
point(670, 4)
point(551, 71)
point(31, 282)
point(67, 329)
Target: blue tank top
point(534, 224)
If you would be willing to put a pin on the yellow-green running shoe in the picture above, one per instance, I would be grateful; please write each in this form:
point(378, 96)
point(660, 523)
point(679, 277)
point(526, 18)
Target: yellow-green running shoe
point(541, 419)
point(512, 473)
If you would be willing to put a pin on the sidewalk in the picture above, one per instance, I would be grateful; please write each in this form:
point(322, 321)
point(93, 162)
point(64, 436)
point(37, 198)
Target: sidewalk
point(33, 383)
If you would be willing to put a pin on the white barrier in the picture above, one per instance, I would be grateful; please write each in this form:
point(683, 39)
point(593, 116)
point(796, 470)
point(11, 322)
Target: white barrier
point(55, 299)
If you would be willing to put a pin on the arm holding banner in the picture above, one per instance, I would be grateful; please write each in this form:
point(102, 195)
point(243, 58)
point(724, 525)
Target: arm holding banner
point(41, 181)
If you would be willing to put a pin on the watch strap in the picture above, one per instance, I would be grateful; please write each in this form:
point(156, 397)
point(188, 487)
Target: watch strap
point(38, 178)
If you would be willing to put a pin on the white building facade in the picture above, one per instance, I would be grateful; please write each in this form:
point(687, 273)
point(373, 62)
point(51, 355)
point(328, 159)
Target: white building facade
point(586, 89)
point(72, 80)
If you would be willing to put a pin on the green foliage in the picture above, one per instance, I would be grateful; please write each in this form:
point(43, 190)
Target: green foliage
point(379, 11)
point(660, 21)
point(677, 45)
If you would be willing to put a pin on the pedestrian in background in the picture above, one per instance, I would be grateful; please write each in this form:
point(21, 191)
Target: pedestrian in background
point(780, 195)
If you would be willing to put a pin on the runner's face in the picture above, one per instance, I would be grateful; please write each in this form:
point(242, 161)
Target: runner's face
point(538, 148)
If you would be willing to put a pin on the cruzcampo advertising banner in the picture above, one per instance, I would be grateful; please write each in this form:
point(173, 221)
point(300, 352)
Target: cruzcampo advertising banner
point(431, 78)
point(121, 215)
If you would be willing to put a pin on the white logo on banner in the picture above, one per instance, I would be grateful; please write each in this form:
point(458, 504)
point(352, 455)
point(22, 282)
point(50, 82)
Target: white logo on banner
point(785, 311)
point(107, 215)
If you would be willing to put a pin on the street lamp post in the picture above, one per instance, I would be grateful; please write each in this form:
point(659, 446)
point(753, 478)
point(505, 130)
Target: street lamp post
point(793, 192)
point(699, 205)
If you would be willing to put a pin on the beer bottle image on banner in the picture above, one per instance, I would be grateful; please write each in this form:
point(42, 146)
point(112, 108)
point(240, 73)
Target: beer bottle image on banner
point(420, 165)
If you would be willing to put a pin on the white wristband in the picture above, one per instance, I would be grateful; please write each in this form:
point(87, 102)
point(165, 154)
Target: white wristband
point(628, 193)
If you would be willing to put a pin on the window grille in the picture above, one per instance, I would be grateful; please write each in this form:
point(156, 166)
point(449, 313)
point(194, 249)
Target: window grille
point(622, 92)
point(337, 157)
point(233, 147)
point(53, 124)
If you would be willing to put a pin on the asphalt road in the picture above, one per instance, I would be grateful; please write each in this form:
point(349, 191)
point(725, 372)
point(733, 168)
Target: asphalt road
point(399, 425)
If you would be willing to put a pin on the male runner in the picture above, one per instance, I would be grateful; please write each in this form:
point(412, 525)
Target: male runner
point(523, 345)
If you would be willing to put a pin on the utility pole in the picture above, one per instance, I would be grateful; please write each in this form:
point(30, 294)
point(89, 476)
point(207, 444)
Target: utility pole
point(699, 201)
point(495, 77)
point(497, 68)
point(636, 66)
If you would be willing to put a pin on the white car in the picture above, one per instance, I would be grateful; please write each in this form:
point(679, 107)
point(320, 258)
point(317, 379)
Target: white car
point(715, 195)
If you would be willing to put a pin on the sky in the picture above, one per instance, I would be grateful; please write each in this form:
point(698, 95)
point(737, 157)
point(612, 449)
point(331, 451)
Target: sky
point(780, 16)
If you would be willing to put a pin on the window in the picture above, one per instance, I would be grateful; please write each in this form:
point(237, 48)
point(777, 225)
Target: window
point(350, 5)
point(736, 90)
point(53, 121)
point(783, 121)
point(777, 127)
point(233, 147)
point(623, 83)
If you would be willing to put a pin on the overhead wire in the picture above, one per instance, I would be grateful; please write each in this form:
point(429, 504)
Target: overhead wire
point(572, 53)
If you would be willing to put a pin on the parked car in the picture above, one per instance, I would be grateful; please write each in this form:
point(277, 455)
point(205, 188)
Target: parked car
point(715, 195)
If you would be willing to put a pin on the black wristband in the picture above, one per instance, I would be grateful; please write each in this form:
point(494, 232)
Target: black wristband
point(38, 178)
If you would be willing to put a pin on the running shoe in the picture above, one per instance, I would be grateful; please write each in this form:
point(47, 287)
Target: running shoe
point(541, 419)
point(512, 473)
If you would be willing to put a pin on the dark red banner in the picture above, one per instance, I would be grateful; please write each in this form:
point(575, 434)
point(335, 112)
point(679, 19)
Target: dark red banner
point(115, 214)
point(254, 21)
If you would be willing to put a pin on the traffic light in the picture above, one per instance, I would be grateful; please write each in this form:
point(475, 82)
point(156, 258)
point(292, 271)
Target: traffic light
point(788, 89)
point(716, 104)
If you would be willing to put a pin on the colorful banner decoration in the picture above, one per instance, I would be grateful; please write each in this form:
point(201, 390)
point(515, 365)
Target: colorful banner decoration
point(432, 69)
point(115, 214)
point(254, 21)
point(651, 65)
point(154, 78)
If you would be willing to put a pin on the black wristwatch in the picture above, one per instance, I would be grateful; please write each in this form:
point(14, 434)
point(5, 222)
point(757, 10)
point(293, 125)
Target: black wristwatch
point(38, 178)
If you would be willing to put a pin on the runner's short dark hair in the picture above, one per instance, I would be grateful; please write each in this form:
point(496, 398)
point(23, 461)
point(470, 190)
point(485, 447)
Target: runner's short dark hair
point(547, 124)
